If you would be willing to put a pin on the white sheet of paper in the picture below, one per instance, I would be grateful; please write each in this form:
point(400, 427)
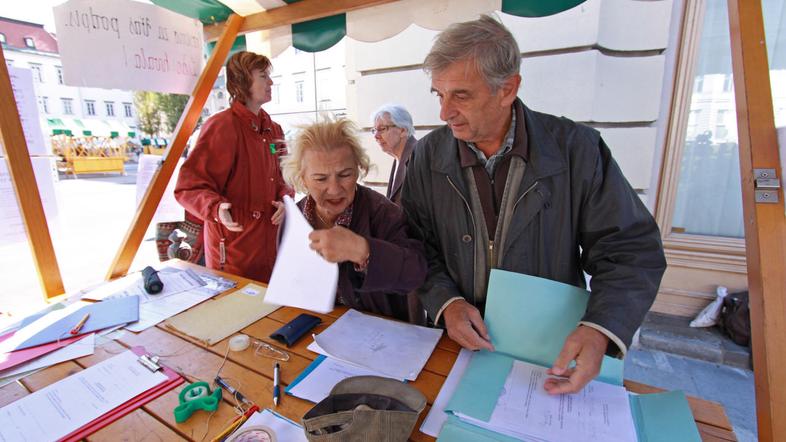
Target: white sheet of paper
point(317, 384)
point(65, 406)
point(301, 278)
point(83, 347)
point(392, 348)
point(599, 411)
point(436, 417)
point(283, 428)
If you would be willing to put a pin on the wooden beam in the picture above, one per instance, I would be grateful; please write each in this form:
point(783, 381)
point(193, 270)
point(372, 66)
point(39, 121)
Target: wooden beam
point(21, 171)
point(185, 127)
point(765, 225)
point(297, 12)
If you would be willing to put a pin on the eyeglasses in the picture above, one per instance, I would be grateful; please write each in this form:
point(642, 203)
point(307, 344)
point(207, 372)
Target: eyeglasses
point(382, 129)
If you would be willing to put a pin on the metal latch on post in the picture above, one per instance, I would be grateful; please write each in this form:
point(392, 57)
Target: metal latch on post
point(766, 185)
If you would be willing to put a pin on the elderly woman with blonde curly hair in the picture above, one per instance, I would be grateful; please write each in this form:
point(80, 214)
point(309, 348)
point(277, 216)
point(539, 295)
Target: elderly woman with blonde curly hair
point(379, 263)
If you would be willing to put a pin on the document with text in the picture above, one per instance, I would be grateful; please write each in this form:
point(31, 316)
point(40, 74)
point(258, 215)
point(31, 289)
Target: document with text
point(392, 348)
point(61, 408)
point(525, 411)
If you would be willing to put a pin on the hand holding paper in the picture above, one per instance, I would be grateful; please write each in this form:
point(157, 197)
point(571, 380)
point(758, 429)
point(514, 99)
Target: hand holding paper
point(586, 346)
point(339, 244)
point(466, 327)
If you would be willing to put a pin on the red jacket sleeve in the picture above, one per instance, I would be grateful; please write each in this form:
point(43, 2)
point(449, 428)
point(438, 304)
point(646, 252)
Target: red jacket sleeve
point(204, 174)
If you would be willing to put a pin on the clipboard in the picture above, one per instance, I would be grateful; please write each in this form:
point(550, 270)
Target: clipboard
point(173, 380)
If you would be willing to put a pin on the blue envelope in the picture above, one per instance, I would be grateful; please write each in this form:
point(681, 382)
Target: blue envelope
point(528, 319)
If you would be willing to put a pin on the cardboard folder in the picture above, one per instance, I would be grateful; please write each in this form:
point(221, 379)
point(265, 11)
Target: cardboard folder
point(528, 319)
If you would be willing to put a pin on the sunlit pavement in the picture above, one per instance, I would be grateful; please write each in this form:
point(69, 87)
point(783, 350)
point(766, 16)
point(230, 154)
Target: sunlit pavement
point(95, 212)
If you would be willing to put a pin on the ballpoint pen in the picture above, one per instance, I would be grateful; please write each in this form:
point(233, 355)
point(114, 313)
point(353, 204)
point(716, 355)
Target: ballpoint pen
point(79, 324)
point(223, 384)
point(276, 388)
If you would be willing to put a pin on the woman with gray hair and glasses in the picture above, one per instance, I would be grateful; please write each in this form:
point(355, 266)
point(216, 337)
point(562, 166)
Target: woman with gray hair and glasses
point(394, 132)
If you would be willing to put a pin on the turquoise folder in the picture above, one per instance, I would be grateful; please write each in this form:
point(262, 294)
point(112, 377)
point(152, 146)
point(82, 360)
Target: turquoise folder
point(528, 319)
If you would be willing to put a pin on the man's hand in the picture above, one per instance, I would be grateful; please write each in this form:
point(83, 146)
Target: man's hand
point(339, 244)
point(225, 217)
point(586, 346)
point(278, 217)
point(466, 327)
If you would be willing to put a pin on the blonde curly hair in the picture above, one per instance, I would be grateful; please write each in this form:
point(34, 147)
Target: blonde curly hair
point(328, 135)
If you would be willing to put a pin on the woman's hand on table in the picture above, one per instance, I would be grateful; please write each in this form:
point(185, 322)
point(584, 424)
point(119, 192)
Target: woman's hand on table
point(339, 244)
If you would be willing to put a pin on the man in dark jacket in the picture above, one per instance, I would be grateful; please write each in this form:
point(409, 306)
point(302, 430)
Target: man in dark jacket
point(502, 186)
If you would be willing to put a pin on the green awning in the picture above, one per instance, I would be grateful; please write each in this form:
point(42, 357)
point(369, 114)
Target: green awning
point(114, 134)
point(320, 34)
point(131, 134)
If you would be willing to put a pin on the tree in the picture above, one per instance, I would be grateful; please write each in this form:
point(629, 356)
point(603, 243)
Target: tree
point(172, 106)
point(148, 112)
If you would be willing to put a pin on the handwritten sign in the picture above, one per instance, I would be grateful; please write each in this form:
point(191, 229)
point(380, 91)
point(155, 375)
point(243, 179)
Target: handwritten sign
point(125, 44)
point(24, 94)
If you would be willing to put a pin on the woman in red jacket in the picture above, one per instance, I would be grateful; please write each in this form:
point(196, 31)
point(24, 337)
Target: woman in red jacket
point(232, 178)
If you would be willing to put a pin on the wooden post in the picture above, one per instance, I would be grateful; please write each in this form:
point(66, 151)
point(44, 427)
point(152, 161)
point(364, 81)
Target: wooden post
point(185, 127)
point(765, 225)
point(21, 170)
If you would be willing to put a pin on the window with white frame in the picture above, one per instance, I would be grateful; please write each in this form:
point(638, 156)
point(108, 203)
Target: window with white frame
point(299, 91)
point(36, 69)
point(2, 38)
point(44, 103)
point(110, 108)
point(90, 107)
point(68, 105)
point(128, 110)
point(276, 93)
point(59, 74)
point(29, 42)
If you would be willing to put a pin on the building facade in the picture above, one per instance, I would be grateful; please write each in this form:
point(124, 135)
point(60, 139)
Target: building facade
point(98, 111)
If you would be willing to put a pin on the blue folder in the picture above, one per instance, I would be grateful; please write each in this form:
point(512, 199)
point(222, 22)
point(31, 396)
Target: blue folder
point(528, 319)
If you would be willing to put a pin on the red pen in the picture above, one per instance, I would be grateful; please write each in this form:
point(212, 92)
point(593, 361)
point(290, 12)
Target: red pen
point(80, 324)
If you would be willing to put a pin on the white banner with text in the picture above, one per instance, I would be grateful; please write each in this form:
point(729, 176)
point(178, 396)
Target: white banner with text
point(124, 44)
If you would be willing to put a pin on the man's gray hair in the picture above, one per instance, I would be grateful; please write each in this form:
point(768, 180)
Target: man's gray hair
point(485, 41)
point(398, 115)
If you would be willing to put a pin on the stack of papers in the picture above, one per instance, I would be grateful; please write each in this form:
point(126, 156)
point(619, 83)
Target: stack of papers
point(391, 348)
point(84, 346)
point(524, 410)
point(316, 381)
point(183, 289)
point(66, 406)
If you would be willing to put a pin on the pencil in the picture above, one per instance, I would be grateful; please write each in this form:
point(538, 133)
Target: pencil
point(80, 324)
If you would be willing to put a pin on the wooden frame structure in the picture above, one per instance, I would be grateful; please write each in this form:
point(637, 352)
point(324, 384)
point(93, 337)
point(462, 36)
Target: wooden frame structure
point(765, 224)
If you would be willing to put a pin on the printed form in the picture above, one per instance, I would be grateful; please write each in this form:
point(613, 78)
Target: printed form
point(392, 348)
point(61, 408)
point(525, 411)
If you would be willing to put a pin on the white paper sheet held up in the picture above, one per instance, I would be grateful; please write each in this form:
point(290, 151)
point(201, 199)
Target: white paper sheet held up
point(319, 381)
point(436, 417)
point(599, 411)
point(65, 406)
point(394, 349)
point(301, 278)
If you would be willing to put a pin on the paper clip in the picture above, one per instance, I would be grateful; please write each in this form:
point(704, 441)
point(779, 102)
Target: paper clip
point(266, 350)
point(150, 362)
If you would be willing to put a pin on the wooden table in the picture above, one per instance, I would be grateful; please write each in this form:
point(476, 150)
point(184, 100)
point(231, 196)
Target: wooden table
point(253, 376)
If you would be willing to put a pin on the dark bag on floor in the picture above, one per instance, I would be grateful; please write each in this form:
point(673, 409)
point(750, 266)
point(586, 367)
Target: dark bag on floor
point(735, 318)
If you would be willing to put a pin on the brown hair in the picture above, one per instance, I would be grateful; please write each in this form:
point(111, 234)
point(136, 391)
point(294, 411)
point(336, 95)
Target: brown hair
point(239, 68)
point(327, 136)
